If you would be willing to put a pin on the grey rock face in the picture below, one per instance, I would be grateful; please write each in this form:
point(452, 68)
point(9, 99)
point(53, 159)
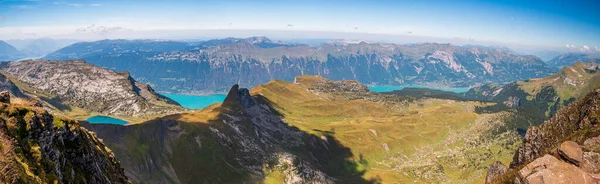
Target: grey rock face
point(5, 97)
point(494, 170)
point(82, 85)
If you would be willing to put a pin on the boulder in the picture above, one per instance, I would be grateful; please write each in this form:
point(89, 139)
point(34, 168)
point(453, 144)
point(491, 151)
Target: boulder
point(548, 169)
point(5, 97)
point(571, 152)
point(494, 170)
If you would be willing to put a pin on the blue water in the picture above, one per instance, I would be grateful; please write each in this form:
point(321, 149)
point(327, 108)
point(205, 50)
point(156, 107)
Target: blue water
point(106, 120)
point(196, 101)
point(392, 88)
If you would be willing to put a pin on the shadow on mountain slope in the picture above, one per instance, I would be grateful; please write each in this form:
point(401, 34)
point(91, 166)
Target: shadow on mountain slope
point(242, 140)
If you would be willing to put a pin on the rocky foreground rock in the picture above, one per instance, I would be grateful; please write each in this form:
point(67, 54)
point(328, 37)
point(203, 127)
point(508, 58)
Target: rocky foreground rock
point(549, 169)
point(37, 147)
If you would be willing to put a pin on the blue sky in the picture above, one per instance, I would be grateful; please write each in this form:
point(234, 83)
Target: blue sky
point(510, 22)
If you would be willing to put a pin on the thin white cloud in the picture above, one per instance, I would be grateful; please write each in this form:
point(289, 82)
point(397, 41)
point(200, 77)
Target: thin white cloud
point(570, 46)
point(58, 2)
point(76, 5)
point(96, 5)
point(586, 48)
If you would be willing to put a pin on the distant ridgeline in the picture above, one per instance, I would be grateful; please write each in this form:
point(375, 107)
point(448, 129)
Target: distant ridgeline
point(215, 65)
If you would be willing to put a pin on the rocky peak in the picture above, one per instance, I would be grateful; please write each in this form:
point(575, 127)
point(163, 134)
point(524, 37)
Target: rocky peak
point(238, 96)
point(258, 39)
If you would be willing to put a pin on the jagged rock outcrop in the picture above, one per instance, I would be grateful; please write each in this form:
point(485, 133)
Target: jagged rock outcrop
point(572, 118)
point(551, 152)
point(4, 97)
point(495, 170)
point(36, 147)
point(67, 84)
point(7, 85)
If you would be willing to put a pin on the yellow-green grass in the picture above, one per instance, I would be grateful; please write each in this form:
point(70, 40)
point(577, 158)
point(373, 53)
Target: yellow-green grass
point(583, 82)
point(366, 127)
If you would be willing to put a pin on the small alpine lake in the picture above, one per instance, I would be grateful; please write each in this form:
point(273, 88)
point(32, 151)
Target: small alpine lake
point(392, 88)
point(196, 101)
point(106, 120)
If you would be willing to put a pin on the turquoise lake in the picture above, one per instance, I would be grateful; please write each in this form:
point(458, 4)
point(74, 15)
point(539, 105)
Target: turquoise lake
point(392, 88)
point(106, 120)
point(196, 101)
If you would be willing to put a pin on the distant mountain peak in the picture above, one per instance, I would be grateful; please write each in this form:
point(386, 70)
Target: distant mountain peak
point(258, 39)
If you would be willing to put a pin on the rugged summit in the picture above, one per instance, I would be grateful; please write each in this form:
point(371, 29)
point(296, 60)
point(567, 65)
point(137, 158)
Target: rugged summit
point(36, 147)
point(77, 84)
point(215, 65)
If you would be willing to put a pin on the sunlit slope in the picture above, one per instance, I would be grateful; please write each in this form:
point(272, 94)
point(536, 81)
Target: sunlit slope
point(570, 82)
point(403, 140)
point(315, 130)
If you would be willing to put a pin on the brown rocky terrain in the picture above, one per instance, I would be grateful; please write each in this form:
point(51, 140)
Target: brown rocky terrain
point(552, 152)
point(37, 147)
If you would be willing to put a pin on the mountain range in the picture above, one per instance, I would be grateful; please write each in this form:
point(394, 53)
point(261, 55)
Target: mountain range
point(569, 59)
point(325, 131)
point(8, 52)
point(39, 47)
point(20, 49)
point(297, 129)
point(215, 65)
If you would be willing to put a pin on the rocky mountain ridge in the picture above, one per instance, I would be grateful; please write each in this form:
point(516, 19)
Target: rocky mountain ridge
point(569, 59)
point(8, 52)
point(68, 85)
point(196, 67)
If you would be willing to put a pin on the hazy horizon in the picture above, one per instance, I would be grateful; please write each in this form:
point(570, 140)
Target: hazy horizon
point(557, 25)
